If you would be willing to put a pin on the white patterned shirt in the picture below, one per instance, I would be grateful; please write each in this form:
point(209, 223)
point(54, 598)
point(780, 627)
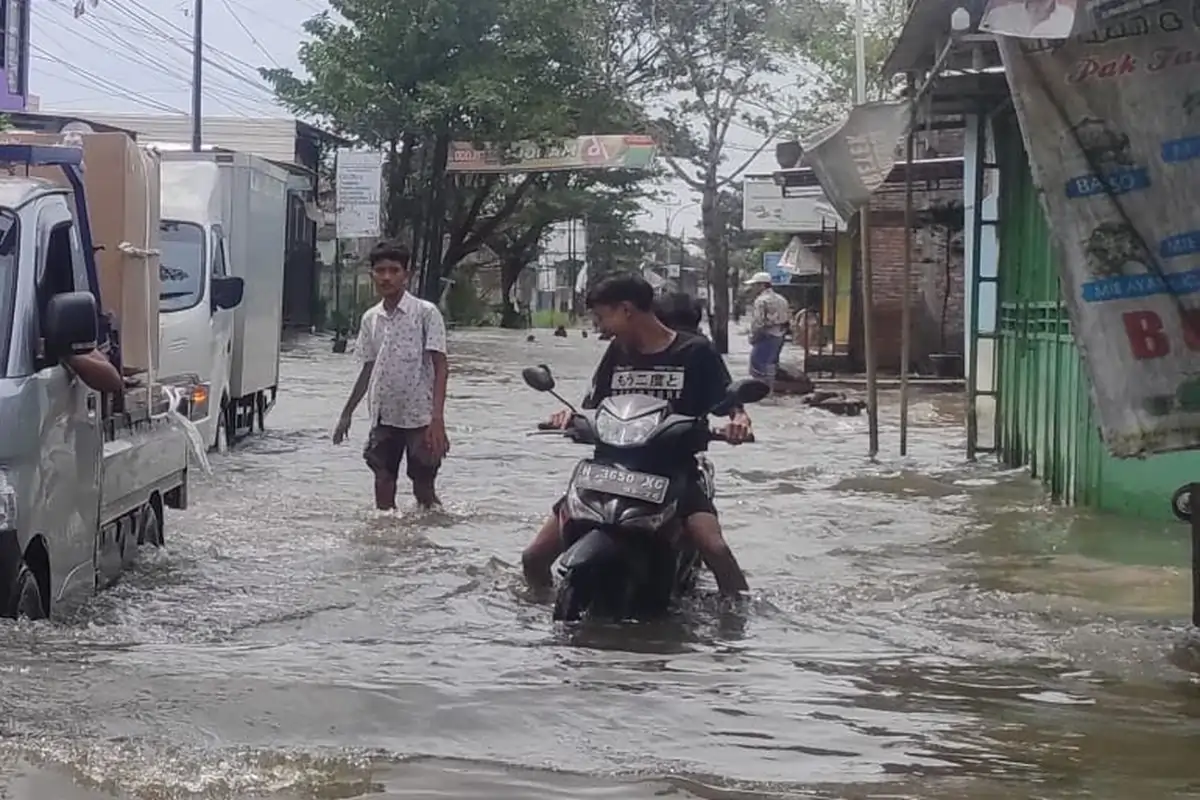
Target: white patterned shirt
point(770, 315)
point(401, 343)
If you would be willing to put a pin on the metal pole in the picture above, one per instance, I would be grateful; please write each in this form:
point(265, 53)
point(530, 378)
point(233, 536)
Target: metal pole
point(906, 309)
point(1195, 521)
point(860, 55)
point(973, 315)
point(197, 83)
point(864, 234)
point(868, 299)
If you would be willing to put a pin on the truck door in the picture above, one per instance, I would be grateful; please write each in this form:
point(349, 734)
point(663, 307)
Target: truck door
point(222, 320)
point(72, 441)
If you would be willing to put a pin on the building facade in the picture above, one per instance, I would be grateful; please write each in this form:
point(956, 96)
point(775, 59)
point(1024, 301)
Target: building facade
point(14, 55)
point(1029, 396)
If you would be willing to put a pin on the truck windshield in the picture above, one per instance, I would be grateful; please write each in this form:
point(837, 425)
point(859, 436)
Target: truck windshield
point(8, 282)
point(181, 266)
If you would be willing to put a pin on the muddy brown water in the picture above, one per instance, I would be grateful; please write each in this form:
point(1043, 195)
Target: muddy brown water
point(919, 628)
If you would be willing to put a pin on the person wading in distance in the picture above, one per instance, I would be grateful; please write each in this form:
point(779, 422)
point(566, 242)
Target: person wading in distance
point(402, 347)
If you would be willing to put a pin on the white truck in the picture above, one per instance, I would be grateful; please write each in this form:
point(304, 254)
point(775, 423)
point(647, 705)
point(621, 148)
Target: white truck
point(84, 478)
point(224, 216)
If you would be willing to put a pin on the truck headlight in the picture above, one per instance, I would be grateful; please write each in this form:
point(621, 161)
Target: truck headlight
point(8, 502)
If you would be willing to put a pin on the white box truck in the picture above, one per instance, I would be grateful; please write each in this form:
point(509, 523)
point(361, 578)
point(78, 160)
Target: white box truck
point(236, 205)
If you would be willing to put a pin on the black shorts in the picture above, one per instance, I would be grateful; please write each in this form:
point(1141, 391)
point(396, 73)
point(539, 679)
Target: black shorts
point(694, 500)
point(387, 447)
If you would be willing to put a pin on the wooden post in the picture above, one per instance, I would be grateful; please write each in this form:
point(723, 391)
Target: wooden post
point(906, 309)
point(868, 300)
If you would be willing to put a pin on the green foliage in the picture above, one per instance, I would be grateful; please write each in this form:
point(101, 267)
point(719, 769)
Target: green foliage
point(831, 89)
point(464, 303)
point(409, 76)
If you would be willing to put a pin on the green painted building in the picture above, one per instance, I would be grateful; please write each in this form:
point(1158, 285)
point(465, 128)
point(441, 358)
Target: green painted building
point(1028, 394)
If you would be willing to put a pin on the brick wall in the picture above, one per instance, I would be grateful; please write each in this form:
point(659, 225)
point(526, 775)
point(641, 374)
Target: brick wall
point(928, 283)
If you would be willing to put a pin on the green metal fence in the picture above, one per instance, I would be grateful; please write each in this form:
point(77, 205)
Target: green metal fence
point(1044, 417)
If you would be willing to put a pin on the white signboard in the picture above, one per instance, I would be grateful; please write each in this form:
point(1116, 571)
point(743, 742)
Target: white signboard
point(359, 188)
point(766, 210)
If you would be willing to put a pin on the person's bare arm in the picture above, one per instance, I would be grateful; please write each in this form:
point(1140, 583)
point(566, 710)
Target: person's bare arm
point(359, 390)
point(97, 371)
point(356, 395)
point(435, 345)
point(441, 377)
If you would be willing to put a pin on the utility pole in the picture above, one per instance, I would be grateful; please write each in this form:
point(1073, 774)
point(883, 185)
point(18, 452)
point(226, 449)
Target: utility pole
point(197, 84)
point(864, 237)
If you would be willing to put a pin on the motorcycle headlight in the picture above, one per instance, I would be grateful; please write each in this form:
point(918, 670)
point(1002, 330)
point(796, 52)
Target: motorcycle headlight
point(8, 502)
point(625, 433)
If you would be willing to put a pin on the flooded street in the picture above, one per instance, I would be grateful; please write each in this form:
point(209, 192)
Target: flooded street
point(919, 629)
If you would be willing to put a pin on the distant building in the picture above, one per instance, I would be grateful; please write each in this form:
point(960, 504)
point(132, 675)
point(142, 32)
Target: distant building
point(14, 55)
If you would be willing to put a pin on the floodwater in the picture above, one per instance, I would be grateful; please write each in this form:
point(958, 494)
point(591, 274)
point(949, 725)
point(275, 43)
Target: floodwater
point(919, 628)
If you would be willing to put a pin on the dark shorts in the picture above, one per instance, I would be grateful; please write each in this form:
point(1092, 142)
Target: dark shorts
point(388, 446)
point(694, 500)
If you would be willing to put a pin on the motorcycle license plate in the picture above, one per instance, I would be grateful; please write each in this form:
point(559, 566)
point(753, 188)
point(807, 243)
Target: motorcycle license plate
point(622, 482)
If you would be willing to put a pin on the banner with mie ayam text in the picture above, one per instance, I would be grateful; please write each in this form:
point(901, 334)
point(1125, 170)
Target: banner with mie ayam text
point(1111, 122)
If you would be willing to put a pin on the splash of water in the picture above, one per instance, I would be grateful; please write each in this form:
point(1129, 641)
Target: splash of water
point(174, 395)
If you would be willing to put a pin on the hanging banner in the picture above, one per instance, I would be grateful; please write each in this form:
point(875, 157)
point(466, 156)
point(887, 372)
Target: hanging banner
point(580, 153)
point(358, 187)
point(1059, 19)
point(851, 160)
point(1112, 128)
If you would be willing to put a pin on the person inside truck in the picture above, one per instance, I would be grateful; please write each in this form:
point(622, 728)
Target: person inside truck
point(94, 369)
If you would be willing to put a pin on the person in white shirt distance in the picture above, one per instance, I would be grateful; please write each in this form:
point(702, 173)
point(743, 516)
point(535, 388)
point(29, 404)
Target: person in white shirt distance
point(402, 347)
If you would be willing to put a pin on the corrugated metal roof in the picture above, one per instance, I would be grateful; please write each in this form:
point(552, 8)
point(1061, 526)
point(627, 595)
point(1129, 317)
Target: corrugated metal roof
point(270, 138)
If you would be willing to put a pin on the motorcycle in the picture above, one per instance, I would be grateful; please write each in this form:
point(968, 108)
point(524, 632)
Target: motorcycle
point(624, 553)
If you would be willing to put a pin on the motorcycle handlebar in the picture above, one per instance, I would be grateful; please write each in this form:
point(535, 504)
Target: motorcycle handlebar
point(713, 435)
point(719, 436)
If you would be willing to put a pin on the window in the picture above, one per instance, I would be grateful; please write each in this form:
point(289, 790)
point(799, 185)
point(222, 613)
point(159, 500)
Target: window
point(181, 265)
point(55, 273)
point(218, 246)
point(8, 282)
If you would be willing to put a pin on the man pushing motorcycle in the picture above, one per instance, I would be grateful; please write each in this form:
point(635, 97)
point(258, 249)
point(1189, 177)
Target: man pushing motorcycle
point(647, 357)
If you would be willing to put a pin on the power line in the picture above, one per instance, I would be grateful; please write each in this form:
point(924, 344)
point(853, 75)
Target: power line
point(245, 30)
point(102, 83)
point(132, 54)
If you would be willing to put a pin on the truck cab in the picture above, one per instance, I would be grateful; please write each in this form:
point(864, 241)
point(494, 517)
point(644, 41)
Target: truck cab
point(84, 478)
point(197, 295)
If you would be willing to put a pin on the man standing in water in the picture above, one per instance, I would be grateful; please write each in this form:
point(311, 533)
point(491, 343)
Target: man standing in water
point(769, 320)
point(402, 346)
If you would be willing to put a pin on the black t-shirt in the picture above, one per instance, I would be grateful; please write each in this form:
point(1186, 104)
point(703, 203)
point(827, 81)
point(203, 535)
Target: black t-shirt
point(689, 373)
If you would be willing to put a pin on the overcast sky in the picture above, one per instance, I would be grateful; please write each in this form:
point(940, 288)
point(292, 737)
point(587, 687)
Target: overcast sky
point(134, 56)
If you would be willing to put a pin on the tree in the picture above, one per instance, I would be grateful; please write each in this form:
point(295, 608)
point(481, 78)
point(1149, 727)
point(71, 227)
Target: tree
point(410, 76)
point(607, 202)
point(830, 92)
point(720, 55)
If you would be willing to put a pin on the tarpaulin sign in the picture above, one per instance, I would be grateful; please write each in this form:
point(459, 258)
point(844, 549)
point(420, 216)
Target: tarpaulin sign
point(1111, 122)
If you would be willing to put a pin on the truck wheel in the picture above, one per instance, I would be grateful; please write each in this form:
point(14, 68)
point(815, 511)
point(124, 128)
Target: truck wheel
point(1181, 503)
point(150, 527)
point(25, 601)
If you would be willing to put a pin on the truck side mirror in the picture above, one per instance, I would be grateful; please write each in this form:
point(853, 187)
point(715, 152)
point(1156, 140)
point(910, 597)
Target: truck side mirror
point(70, 325)
point(227, 293)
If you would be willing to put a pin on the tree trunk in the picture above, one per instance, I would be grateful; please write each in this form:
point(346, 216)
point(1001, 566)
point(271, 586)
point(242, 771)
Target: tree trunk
point(510, 273)
point(718, 265)
point(432, 267)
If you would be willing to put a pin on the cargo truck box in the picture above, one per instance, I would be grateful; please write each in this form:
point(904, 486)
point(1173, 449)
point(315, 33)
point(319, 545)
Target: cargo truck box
point(121, 181)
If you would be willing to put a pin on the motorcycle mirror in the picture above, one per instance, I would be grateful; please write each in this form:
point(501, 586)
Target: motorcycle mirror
point(749, 390)
point(538, 378)
point(741, 393)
